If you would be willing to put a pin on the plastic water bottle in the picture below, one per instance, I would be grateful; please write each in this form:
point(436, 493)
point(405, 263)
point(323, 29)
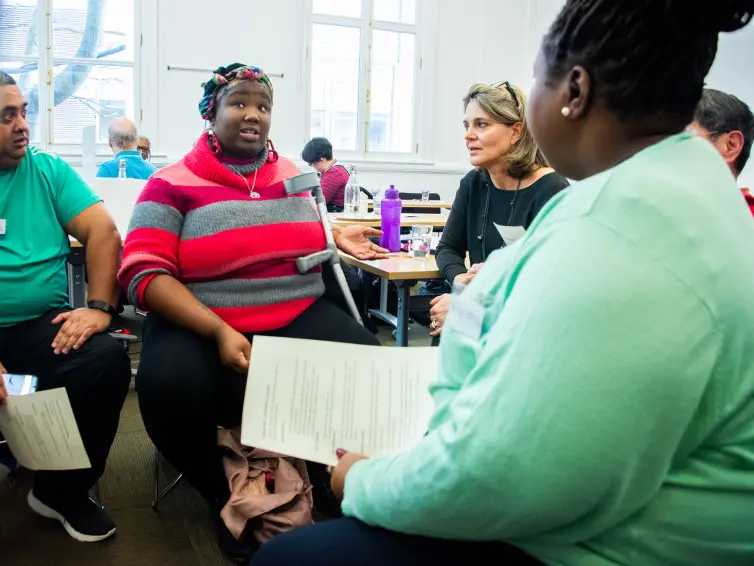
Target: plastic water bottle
point(390, 211)
point(352, 196)
point(122, 169)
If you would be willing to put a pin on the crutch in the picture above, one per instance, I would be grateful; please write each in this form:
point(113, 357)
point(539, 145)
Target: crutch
point(310, 182)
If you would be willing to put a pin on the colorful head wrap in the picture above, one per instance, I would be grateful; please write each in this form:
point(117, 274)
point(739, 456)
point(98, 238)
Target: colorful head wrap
point(222, 77)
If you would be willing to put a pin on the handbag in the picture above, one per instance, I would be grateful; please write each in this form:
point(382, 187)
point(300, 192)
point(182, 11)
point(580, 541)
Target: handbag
point(269, 493)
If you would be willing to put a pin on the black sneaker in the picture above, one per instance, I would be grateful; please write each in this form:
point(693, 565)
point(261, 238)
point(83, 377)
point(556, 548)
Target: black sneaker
point(84, 520)
point(238, 551)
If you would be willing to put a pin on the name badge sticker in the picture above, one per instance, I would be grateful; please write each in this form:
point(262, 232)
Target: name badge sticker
point(2, 226)
point(466, 316)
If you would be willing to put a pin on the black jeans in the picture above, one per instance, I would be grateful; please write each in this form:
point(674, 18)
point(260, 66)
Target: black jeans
point(185, 392)
point(349, 542)
point(96, 377)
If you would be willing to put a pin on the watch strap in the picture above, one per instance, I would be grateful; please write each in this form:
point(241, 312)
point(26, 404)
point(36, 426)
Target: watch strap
point(102, 306)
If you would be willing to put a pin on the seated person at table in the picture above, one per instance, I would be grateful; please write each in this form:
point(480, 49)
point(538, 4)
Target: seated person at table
point(600, 409)
point(728, 123)
point(145, 148)
point(211, 254)
point(500, 198)
point(42, 201)
point(124, 141)
point(333, 176)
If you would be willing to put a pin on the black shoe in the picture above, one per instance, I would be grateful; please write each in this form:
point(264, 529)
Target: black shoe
point(238, 551)
point(84, 520)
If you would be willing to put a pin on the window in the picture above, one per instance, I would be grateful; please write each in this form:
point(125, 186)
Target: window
point(364, 60)
point(82, 53)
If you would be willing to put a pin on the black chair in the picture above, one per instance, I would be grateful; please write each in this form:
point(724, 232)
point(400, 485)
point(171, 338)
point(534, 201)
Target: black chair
point(417, 196)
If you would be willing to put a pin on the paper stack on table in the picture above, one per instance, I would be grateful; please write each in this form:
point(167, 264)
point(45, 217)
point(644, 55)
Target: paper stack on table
point(307, 398)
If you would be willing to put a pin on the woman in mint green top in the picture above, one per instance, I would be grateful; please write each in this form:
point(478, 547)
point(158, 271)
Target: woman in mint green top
point(595, 402)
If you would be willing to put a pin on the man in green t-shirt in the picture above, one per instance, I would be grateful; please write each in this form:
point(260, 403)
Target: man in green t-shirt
point(42, 201)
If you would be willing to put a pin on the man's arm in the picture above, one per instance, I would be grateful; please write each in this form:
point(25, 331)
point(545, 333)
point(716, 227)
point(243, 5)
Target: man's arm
point(95, 229)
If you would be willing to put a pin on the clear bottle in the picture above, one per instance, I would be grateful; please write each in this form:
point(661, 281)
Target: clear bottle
point(122, 169)
point(352, 196)
point(390, 210)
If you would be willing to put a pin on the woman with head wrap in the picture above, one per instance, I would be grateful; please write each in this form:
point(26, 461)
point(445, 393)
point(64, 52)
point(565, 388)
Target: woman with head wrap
point(211, 253)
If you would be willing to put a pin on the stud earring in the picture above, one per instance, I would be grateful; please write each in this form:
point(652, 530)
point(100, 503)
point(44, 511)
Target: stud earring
point(565, 111)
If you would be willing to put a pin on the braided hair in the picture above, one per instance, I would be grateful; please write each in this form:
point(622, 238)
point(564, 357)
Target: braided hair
point(647, 58)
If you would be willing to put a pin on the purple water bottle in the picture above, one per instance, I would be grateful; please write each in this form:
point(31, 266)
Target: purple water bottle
point(391, 220)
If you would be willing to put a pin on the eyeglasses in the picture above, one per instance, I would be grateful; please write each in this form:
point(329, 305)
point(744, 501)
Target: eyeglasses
point(510, 90)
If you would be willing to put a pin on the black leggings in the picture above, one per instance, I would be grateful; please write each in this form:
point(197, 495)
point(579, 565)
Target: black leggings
point(185, 392)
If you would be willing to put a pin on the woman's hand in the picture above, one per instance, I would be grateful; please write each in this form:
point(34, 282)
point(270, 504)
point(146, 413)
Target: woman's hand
point(345, 461)
point(354, 240)
point(234, 348)
point(437, 314)
point(465, 278)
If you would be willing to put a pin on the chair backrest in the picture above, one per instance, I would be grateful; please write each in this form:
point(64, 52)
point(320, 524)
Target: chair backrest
point(366, 192)
point(417, 196)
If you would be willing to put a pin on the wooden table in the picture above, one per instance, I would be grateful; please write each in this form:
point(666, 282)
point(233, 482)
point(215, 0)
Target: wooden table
point(403, 271)
point(422, 204)
point(407, 220)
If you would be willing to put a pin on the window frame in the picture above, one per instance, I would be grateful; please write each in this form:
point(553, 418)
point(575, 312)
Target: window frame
point(46, 61)
point(367, 24)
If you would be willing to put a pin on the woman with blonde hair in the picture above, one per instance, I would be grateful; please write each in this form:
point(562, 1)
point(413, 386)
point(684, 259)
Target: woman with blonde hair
point(500, 198)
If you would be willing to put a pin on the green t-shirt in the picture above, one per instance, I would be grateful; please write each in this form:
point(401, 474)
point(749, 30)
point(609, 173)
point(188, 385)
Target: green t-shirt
point(603, 414)
point(37, 199)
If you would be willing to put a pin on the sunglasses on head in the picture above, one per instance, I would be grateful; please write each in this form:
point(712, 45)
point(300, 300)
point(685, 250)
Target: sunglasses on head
point(510, 90)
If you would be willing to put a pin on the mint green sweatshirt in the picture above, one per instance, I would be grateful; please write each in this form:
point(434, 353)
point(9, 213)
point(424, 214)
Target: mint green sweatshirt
point(606, 415)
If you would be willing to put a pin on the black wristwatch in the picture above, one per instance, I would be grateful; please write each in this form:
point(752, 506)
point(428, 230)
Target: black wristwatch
point(102, 306)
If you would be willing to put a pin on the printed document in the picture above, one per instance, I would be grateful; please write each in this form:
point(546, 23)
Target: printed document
point(42, 433)
point(306, 398)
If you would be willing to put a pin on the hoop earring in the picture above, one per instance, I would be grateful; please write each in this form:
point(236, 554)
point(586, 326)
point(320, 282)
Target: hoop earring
point(272, 155)
point(565, 111)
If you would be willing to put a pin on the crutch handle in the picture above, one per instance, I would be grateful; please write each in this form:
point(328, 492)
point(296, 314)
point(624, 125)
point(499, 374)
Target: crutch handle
point(307, 263)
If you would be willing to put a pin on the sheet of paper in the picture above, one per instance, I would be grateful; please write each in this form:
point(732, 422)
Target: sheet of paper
point(510, 234)
point(306, 398)
point(42, 433)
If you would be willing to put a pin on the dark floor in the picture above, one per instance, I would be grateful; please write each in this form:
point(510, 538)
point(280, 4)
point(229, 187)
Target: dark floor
point(181, 533)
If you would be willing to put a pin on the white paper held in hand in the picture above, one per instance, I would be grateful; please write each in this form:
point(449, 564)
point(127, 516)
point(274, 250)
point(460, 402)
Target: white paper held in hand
point(42, 433)
point(306, 398)
point(510, 234)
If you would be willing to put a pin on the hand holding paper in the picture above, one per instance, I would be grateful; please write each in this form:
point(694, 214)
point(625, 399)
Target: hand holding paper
point(42, 433)
point(307, 398)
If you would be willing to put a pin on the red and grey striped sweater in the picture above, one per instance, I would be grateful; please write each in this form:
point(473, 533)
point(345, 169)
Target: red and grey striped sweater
point(195, 220)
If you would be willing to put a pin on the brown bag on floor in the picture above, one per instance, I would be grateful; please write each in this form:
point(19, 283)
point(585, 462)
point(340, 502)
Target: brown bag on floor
point(269, 493)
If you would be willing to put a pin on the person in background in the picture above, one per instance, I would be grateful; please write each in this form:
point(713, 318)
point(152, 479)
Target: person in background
point(42, 201)
point(211, 255)
point(124, 141)
point(594, 403)
point(317, 153)
point(728, 123)
point(497, 201)
point(145, 148)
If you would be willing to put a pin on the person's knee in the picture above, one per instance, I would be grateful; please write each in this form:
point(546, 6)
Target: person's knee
point(105, 357)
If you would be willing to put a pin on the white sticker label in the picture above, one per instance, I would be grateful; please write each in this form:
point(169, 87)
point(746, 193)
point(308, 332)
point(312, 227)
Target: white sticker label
point(2, 226)
point(466, 317)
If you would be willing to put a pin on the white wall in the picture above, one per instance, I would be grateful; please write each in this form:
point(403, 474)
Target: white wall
point(466, 41)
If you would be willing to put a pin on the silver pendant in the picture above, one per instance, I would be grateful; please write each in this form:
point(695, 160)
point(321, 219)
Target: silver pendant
point(253, 194)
